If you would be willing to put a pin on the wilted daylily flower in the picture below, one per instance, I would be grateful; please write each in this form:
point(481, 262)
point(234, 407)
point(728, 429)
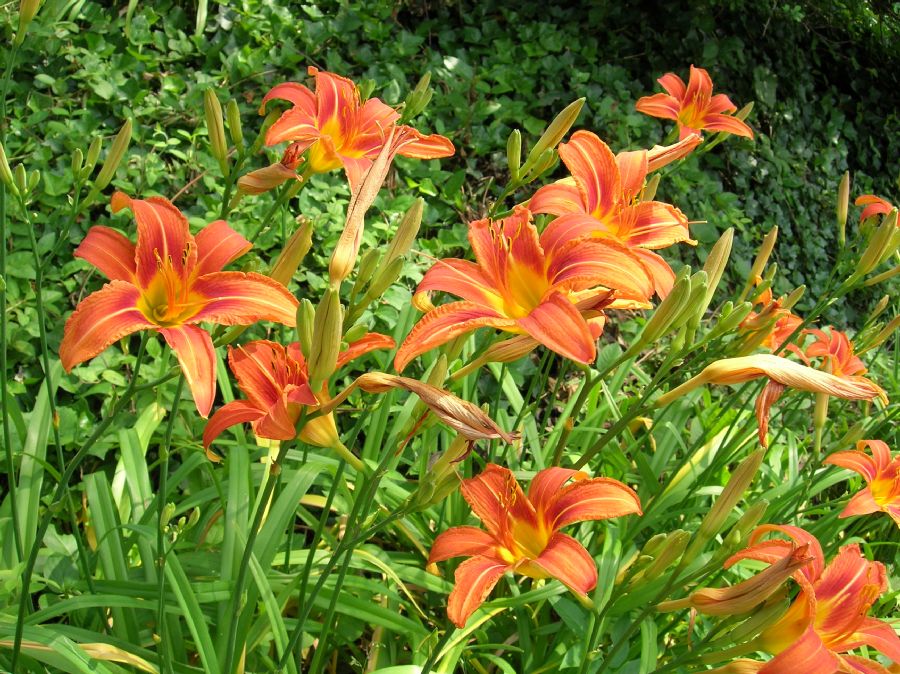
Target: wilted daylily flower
point(268, 178)
point(340, 130)
point(874, 205)
point(168, 282)
point(693, 106)
point(604, 201)
point(516, 287)
point(828, 617)
point(781, 373)
point(275, 380)
point(523, 532)
point(881, 473)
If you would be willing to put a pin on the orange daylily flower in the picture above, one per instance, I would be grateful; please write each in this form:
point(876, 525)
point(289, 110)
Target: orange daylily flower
point(340, 130)
point(515, 286)
point(779, 323)
point(275, 380)
point(268, 178)
point(874, 205)
point(829, 616)
point(523, 532)
point(881, 473)
point(837, 351)
point(604, 201)
point(782, 373)
point(693, 106)
point(168, 282)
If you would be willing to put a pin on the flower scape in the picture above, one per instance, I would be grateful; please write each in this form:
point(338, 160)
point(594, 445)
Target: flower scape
point(544, 445)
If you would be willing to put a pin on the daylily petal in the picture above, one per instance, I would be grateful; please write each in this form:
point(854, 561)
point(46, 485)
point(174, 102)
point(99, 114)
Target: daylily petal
point(559, 326)
point(593, 165)
point(861, 503)
point(295, 124)
point(864, 665)
point(100, 320)
point(771, 551)
point(419, 146)
point(769, 396)
point(557, 198)
point(461, 278)
point(194, 348)
point(442, 324)
point(461, 542)
point(699, 85)
point(231, 414)
point(660, 155)
point(545, 486)
point(721, 103)
point(854, 460)
point(279, 422)
point(673, 85)
point(163, 234)
point(495, 496)
point(728, 124)
point(363, 345)
point(333, 93)
point(236, 298)
point(254, 365)
point(584, 264)
point(879, 635)
point(217, 245)
point(845, 592)
point(374, 117)
point(565, 559)
point(880, 452)
point(110, 252)
point(568, 228)
point(659, 105)
point(633, 170)
point(653, 224)
point(475, 578)
point(661, 274)
point(598, 498)
point(808, 655)
point(295, 93)
point(875, 205)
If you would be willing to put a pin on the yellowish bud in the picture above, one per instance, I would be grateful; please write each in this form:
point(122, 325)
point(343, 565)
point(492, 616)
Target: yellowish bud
point(514, 154)
point(788, 302)
point(356, 332)
point(20, 176)
point(291, 256)
point(77, 163)
point(882, 335)
point(215, 128)
point(651, 187)
point(326, 339)
point(762, 258)
point(554, 133)
point(406, 233)
point(114, 156)
point(384, 279)
point(34, 178)
point(744, 112)
point(93, 154)
point(27, 10)
point(750, 519)
point(843, 205)
point(306, 316)
point(715, 264)
point(668, 311)
point(880, 245)
point(675, 544)
point(233, 115)
point(879, 307)
point(6, 174)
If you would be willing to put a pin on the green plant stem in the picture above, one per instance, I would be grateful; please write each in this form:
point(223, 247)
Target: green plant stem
point(287, 193)
point(436, 652)
point(160, 534)
point(61, 488)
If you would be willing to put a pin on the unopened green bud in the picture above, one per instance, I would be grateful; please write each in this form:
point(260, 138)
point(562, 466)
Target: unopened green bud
point(33, 179)
point(6, 174)
point(762, 258)
point(514, 153)
point(168, 512)
point(769, 276)
point(668, 311)
point(791, 300)
point(306, 316)
point(555, 132)
point(883, 334)
point(843, 205)
point(114, 156)
point(406, 234)
point(734, 318)
point(193, 518)
point(750, 519)
point(215, 128)
point(676, 542)
point(690, 313)
point(419, 98)
point(655, 545)
point(853, 435)
point(879, 245)
point(292, 254)
point(385, 278)
point(358, 331)
point(93, 154)
point(744, 112)
point(20, 176)
point(879, 308)
point(368, 263)
point(233, 115)
point(27, 10)
point(77, 162)
point(543, 162)
point(650, 188)
point(326, 339)
point(715, 264)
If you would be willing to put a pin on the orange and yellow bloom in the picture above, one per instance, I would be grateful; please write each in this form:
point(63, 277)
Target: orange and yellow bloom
point(523, 532)
point(836, 350)
point(881, 473)
point(516, 286)
point(830, 615)
point(340, 130)
point(604, 201)
point(874, 205)
point(170, 281)
point(693, 105)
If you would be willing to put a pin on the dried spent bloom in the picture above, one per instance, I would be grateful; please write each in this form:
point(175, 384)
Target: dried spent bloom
point(881, 473)
point(168, 282)
point(340, 130)
point(604, 201)
point(523, 532)
point(693, 106)
point(516, 287)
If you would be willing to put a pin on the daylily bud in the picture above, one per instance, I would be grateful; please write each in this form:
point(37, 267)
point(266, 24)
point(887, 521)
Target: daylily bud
point(93, 154)
point(265, 179)
point(406, 234)
point(418, 98)
point(750, 519)
point(744, 112)
point(422, 302)
point(358, 331)
point(233, 115)
point(20, 176)
point(33, 179)
point(555, 132)
point(788, 302)
point(514, 153)
point(734, 490)
point(326, 339)
point(879, 308)
point(541, 164)
point(306, 316)
point(675, 544)
point(167, 514)
point(292, 254)
point(879, 245)
point(6, 174)
point(368, 263)
point(820, 418)
point(762, 258)
point(655, 545)
point(699, 286)
point(715, 264)
point(668, 311)
point(384, 279)
point(215, 128)
point(650, 188)
point(441, 477)
point(843, 205)
point(504, 351)
point(77, 162)
point(882, 335)
point(114, 156)
point(733, 318)
point(853, 435)
point(27, 10)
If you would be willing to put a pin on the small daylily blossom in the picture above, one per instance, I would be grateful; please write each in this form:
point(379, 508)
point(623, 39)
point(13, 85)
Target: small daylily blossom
point(275, 380)
point(516, 287)
point(778, 323)
point(830, 615)
point(340, 130)
point(693, 106)
point(782, 373)
point(523, 532)
point(168, 282)
point(837, 351)
point(874, 205)
point(881, 473)
point(604, 201)
point(268, 178)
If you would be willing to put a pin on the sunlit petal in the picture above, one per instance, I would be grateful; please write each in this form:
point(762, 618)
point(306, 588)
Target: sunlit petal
point(110, 252)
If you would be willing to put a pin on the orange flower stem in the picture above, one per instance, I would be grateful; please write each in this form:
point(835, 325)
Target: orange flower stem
point(62, 487)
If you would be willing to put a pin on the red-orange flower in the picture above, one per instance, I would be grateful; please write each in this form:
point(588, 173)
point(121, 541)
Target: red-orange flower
point(604, 201)
point(168, 282)
point(693, 106)
point(830, 615)
point(523, 532)
point(275, 380)
point(515, 286)
point(340, 130)
point(881, 473)
point(777, 322)
point(874, 205)
point(837, 351)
